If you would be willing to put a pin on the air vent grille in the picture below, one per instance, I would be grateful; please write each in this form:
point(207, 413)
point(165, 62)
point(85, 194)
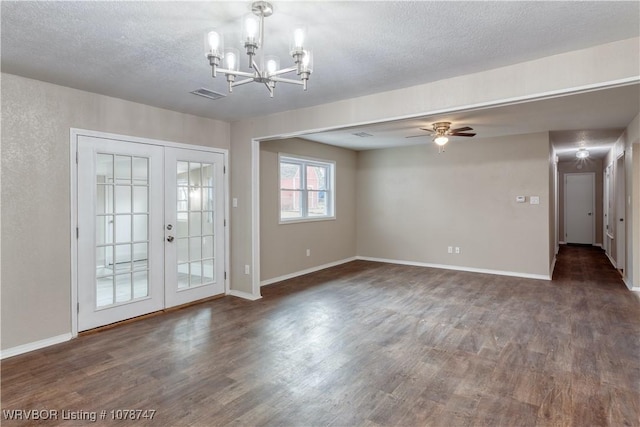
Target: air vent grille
point(362, 134)
point(208, 93)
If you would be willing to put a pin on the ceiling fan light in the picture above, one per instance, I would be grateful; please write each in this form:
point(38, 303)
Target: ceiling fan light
point(441, 140)
point(582, 153)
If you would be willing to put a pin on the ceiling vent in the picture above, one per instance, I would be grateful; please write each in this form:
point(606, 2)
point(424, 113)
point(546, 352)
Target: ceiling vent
point(208, 93)
point(362, 134)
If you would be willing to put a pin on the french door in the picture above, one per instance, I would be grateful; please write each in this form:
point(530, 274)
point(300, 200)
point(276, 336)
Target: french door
point(150, 228)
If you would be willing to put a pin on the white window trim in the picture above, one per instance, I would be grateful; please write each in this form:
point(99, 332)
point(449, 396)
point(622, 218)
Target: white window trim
point(331, 200)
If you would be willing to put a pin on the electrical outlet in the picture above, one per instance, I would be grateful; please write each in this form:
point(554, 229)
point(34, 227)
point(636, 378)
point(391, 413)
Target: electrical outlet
point(450, 249)
point(308, 252)
point(235, 202)
point(247, 269)
point(457, 250)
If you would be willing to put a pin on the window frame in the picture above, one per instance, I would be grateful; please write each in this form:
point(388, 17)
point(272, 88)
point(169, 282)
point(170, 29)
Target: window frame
point(304, 162)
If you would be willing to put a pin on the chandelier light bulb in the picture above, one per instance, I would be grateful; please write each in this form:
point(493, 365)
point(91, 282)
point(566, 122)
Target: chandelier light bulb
point(441, 140)
point(251, 28)
point(271, 66)
point(298, 38)
point(230, 59)
point(214, 41)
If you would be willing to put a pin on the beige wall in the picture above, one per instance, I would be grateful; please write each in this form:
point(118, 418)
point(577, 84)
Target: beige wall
point(36, 228)
point(582, 166)
point(597, 66)
point(283, 246)
point(413, 203)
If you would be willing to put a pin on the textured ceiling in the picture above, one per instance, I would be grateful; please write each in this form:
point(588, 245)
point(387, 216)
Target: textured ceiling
point(152, 52)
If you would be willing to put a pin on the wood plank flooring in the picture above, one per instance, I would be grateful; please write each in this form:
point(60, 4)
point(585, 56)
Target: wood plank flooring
point(365, 344)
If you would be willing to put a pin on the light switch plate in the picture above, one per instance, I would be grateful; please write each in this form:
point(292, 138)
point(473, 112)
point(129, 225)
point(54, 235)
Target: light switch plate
point(534, 200)
point(520, 199)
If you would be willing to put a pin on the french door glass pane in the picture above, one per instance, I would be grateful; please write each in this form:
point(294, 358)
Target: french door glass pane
point(195, 223)
point(121, 265)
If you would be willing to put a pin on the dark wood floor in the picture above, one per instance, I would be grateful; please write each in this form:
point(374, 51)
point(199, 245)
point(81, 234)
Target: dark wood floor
point(364, 344)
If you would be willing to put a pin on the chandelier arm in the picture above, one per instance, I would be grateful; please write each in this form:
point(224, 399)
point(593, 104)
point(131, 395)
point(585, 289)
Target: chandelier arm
point(236, 73)
point(255, 67)
point(283, 80)
point(284, 71)
point(242, 82)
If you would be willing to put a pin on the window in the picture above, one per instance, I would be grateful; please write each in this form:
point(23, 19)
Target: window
point(306, 189)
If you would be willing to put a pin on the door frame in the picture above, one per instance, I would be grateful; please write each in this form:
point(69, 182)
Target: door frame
point(74, 133)
point(593, 204)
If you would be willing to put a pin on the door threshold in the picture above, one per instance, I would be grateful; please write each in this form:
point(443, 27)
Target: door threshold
point(148, 316)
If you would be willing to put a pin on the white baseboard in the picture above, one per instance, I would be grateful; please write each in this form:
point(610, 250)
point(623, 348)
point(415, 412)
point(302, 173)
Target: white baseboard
point(244, 295)
point(25, 348)
point(458, 268)
point(611, 260)
point(307, 271)
point(553, 266)
point(562, 243)
point(636, 289)
point(627, 283)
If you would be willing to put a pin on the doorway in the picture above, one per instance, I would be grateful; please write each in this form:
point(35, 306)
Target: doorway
point(579, 208)
point(151, 227)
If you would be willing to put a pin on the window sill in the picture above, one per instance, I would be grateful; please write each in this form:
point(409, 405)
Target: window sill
point(299, 220)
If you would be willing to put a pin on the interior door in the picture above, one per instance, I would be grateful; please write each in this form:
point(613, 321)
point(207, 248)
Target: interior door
point(579, 207)
point(120, 204)
point(194, 225)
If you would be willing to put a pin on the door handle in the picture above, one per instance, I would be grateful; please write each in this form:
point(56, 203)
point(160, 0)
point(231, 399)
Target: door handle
point(621, 219)
point(170, 239)
point(589, 213)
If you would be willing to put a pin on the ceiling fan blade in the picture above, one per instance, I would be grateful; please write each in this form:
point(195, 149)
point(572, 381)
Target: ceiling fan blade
point(463, 134)
point(416, 136)
point(464, 129)
point(427, 129)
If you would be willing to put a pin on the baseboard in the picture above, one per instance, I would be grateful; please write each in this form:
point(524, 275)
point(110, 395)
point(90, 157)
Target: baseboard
point(458, 268)
point(307, 271)
point(562, 243)
point(599, 245)
point(636, 289)
point(553, 266)
point(244, 295)
point(613, 263)
point(25, 348)
point(628, 283)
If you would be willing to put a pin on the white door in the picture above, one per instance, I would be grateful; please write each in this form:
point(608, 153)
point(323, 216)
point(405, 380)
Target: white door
point(579, 207)
point(120, 257)
point(194, 225)
point(150, 228)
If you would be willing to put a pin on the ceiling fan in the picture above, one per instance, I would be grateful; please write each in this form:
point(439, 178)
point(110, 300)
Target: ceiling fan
point(442, 130)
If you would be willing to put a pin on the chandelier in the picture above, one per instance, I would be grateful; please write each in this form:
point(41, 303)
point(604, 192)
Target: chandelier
point(265, 69)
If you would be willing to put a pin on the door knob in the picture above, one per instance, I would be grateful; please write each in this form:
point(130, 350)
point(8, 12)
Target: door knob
point(589, 213)
point(170, 239)
point(169, 227)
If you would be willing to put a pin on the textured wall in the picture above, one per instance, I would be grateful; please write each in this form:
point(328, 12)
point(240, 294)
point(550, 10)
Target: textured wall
point(36, 228)
point(283, 246)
